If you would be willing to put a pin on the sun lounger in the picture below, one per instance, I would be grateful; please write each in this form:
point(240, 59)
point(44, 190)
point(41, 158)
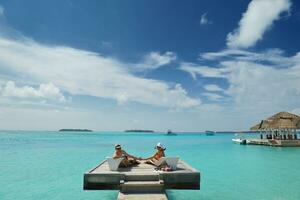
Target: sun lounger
point(172, 162)
point(159, 162)
point(113, 163)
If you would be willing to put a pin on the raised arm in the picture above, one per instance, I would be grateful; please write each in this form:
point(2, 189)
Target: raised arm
point(150, 157)
point(128, 155)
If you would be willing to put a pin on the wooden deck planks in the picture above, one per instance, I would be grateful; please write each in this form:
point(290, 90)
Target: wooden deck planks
point(143, 196)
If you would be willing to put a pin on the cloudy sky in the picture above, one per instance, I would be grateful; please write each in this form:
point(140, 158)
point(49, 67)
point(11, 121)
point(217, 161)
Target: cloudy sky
point(114, 65)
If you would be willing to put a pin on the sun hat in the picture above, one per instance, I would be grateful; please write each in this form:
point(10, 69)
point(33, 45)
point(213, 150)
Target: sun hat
point(117, 146)
point(160, 145)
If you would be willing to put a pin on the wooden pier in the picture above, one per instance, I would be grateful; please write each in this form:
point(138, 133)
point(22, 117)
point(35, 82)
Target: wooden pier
point(274, 142)
point(142, 181)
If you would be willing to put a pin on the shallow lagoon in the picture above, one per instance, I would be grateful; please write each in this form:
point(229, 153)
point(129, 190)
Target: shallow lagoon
point(50, 165)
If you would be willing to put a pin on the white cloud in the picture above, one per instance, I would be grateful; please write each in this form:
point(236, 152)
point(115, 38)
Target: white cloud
point(223, 53)
point(154, 60)
point(269, 89)
point(213, 88)
point(212, 96)
point(258, 18)
point(255, 87)
point(204, 71)
point(44, 91)
point(204, 20)
point(273, 56)
point(81, 72)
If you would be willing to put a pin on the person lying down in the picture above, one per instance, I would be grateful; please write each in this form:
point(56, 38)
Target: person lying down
point(156, 159)
point(129, 160)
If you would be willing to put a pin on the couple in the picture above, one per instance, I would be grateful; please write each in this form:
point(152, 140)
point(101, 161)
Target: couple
point(130, 160)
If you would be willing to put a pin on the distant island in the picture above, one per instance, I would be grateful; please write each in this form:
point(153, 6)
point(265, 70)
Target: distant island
point(136, 130)
point(75, 130)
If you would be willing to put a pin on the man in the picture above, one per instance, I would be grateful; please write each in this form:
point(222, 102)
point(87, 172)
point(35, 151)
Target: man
point(128, 160)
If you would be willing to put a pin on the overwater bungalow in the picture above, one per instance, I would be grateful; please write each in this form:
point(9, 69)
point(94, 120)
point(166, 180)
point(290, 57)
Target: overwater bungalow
point(278, 130)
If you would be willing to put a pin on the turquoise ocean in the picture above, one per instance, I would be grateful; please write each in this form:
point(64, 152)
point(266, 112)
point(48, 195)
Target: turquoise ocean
point(43, 165)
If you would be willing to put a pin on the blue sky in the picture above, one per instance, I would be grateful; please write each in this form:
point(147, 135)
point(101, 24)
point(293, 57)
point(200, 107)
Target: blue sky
point(114, 65)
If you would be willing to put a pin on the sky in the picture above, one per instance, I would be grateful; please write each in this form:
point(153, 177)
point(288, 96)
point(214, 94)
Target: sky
point(120, 64)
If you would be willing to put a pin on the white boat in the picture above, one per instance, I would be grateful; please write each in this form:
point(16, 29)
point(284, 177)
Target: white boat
point(239, 141)
point(239, 138)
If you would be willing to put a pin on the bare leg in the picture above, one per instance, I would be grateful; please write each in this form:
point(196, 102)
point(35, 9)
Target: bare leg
point(150, 162)
point(124, 163)
point(133, 161)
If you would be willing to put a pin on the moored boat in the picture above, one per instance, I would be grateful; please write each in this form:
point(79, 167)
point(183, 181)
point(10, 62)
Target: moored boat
point(239, 141)
point(239, 138)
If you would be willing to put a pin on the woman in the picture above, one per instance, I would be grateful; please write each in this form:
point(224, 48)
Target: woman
point(128, 160)
point(156, 158)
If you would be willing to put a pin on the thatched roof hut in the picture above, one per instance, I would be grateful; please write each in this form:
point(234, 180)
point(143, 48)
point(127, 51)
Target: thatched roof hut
point(281, 120)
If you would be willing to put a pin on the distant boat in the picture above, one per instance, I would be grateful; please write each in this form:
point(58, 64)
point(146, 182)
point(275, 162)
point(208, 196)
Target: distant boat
point(210, 132)
point(169, 132)
point(239, 138)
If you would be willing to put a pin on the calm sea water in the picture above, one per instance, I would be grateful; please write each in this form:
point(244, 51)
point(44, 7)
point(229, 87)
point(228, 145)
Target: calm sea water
point(50, 165)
